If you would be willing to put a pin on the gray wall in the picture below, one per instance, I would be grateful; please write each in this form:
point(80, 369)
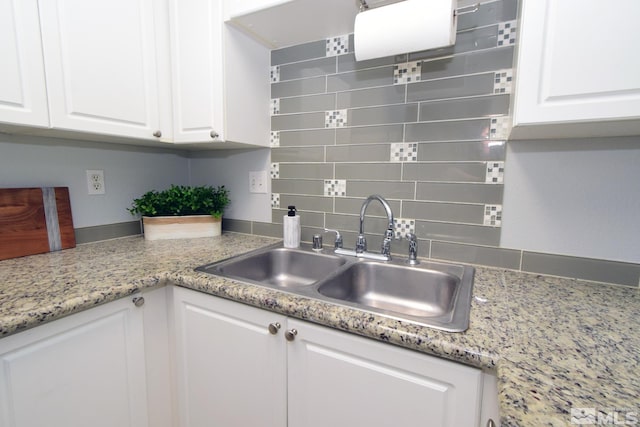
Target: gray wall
point(128, 171)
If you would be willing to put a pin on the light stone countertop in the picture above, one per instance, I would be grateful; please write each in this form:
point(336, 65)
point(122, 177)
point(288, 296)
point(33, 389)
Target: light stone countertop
point(555, 343)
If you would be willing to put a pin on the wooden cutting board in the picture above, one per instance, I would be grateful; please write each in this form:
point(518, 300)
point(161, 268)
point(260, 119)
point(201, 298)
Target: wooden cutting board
point(34, 221)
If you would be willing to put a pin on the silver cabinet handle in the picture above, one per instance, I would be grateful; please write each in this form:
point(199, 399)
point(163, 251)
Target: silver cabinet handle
point(157, 134)
point(274, 328)
point(290, 335)
point(214, 134)
point(138, 301)
point(491, 423)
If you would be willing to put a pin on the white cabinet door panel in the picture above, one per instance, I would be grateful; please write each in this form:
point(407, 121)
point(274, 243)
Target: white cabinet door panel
point(101, 66)
point(83, 370)
point(336, 379)
point(23, 97)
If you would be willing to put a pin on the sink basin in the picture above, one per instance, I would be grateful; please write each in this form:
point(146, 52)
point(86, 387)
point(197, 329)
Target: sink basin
point(431, 294)
point(278, 267)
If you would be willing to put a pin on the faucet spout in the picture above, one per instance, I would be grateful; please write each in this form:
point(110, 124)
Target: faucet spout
point(361, 244)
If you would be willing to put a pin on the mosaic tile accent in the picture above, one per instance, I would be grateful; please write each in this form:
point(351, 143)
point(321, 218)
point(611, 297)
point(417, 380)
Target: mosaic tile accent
point(407, 73)
point(275, 106)
point(506, 33)
point(403, 152)
point(275, 200)
point(275, 170)
point(274, 138)
point(335, 187)
point(338, 45)
point(404, 226)
point(503, 82)
point(335, 119)
point(500, 127)
point(495, 173)
point(493, 215)
point(274, 74)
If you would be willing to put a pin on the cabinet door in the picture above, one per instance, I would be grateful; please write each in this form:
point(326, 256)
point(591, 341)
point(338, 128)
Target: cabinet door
point(23, 98)
point(196, 65)
point(101, 66)
point(231, 371)
point(337, 379)
point(84, 370)
point(574, 66)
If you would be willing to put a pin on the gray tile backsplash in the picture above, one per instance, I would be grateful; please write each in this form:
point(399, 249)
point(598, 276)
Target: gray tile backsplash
point(430, 140)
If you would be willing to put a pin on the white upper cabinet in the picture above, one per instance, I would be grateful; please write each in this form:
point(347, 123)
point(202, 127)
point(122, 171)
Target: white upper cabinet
point(196, 68)
point(23, 97)
point(578, 72)
point(100, 58)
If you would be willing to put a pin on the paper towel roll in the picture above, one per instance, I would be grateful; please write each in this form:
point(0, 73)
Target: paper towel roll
point(408, 26)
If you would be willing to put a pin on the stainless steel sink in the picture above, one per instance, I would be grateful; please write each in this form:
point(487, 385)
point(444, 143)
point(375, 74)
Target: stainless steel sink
point(432, 294)
point(278, 267)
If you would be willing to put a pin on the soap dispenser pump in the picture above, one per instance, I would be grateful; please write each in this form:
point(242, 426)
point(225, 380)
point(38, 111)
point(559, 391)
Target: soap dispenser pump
point(291, 228)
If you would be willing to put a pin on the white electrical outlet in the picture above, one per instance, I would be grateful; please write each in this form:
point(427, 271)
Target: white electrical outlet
point(258, 182)
point(95, 181)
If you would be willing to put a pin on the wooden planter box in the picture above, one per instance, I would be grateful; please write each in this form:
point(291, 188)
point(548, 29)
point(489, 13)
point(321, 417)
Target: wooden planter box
point(181, 227)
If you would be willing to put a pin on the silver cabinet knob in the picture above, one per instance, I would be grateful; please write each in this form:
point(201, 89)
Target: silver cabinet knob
point(274, 328)
point(138, 301)
point(491, 423)
point(290, 335)
point(157, 134)
point(214, 134)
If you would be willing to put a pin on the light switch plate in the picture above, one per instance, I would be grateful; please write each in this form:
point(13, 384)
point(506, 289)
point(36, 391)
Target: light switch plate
point(258, 182)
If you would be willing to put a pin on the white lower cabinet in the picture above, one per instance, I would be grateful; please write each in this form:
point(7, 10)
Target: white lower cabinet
point(235, 367)
point(87, 369)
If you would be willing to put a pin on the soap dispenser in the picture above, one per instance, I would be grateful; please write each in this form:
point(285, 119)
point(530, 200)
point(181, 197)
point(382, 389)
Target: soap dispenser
point(291, 228)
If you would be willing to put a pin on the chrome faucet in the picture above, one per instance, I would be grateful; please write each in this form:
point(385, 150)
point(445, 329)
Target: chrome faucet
point(413, 249)
point(361, 243)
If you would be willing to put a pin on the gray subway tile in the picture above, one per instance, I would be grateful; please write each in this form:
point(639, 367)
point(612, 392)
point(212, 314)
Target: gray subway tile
point(391, 190)
point(447, 212)
point(301, 104)
point(267, 229)
point(582, 268)
point(297, 154)
point(358, 153)
point(462, 151)
point(484, 106)
point(401, 113)
point(296, 138)
point(378, 171)
point(306, 171)
point(301, 52)
point(351, 205)
point(461, 193)
point(348, 62)
point(445, 172)
point(107, 231)
point(298, 186)
point(312, 68)
point(468, 63)
point(372, 77)
point(370, 134)
point(307, 233)
point(471, 254)
point(308, 86)
point(375, 96)
point(307, 203)
point(458, 233)
point(236, 225)
point(297, 121)
point(458, 130)
point(479, 84)
point(372, 224)
point(489, 13)
point(466, 41)
point(307, 219)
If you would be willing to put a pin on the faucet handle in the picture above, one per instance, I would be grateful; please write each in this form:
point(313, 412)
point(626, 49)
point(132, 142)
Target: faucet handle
point(338, 242)
point(413, 249)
